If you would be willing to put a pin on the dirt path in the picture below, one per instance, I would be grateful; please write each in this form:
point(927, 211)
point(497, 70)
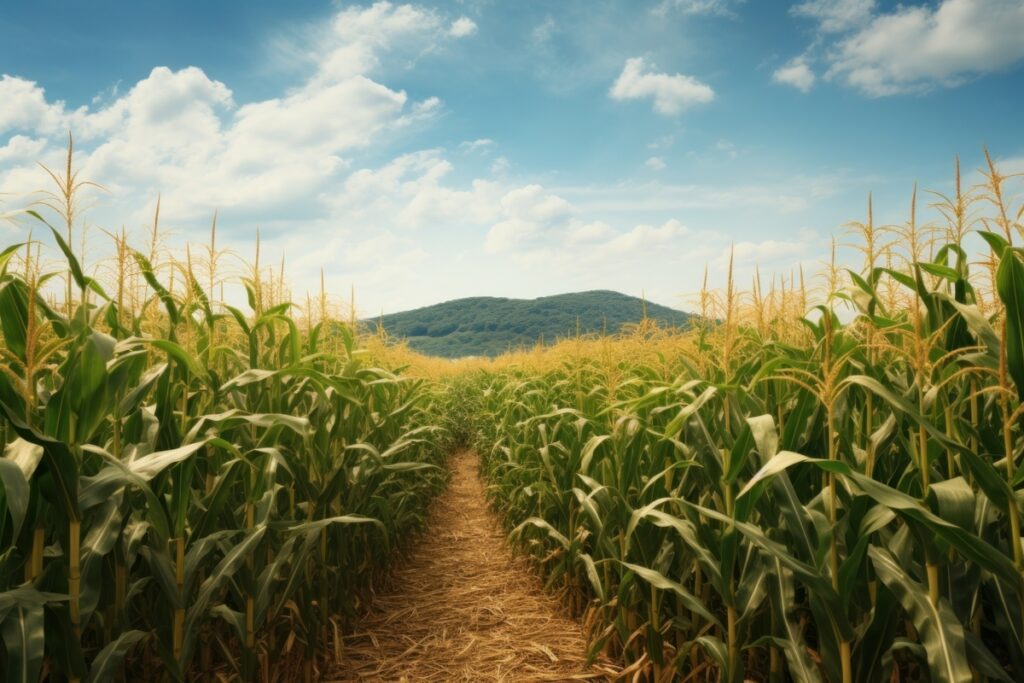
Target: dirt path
point(462, 608)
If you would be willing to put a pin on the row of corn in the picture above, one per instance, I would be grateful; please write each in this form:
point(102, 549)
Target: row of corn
point(188, 489)
point(790, 491)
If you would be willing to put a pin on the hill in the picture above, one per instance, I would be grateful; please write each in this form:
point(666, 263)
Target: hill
point(488, 326)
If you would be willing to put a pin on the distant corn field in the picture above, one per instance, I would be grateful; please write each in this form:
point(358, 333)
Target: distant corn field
point(814, 483)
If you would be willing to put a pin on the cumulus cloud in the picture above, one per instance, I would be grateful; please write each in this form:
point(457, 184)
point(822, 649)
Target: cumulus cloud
point(462, 27)
point(410, 192)
point(26, 108)
point(672, 93)
point(526, 213)
point(180, 132)
point(911, 48)
point(358, 37)
point(795, 73)
point(917, 47)
point(22, 149)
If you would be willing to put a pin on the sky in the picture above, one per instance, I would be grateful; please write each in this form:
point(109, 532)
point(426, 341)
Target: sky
point(428, 151)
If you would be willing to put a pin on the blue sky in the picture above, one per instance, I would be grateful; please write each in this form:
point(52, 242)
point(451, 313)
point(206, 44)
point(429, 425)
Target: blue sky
point(434, 150)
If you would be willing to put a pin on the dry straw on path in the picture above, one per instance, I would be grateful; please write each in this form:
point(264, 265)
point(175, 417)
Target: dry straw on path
point(463, 608)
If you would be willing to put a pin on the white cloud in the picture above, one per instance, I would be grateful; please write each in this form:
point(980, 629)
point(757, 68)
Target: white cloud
point(181, 132)
point(912, 48)
point(21, 150)
point(836, 15)
point(527, 212)
point(534, 204)
point(259, 156)
point(671, 93)
point(358, 37)
point(795, 73)
point(410, 193)
point(655, 163)
point(462, 27)
point(425, 108)
point(533, 218)
point(537, 226)
point(477, 145)
point(916, 47)
point(26, 107)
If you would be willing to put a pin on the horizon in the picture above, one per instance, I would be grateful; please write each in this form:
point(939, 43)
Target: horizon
point(432, 151)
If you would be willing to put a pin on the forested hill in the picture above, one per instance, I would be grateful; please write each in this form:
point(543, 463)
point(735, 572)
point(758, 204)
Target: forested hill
point(488, 326)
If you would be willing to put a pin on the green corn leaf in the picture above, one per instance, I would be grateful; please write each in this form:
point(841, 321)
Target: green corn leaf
point(149, 273)
point(57, 461)
point(791, 640)
point(14, 315)
point(938, 628)
point(6, 255)
point(661, 582)
point(966, 542)
point(24, 640)
point(108, 662)
point(225, 571)
point(996, 242)
point(19, 456)
point(1010, 284)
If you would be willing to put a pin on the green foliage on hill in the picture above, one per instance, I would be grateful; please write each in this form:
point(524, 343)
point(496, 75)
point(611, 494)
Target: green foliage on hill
point(488, 326)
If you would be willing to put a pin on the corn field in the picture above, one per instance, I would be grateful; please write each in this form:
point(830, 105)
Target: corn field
point(804, 487)
point(189, 488)
point(812, 483)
